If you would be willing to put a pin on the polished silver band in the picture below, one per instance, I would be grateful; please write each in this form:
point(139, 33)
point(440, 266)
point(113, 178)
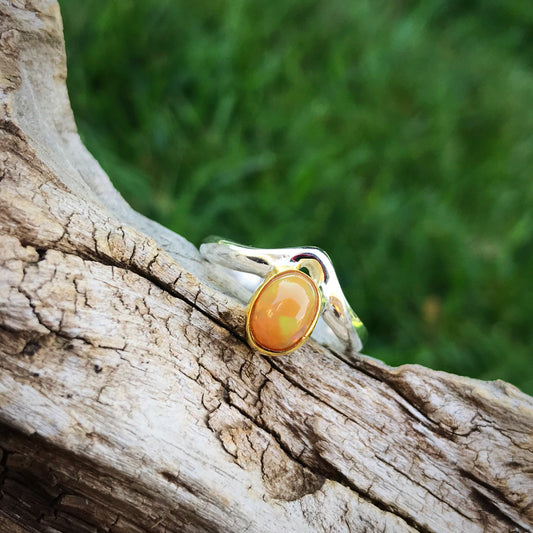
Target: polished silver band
point(340, 321)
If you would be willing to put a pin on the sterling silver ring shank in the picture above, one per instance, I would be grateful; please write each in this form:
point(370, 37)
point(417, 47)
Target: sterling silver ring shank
point(309, 270)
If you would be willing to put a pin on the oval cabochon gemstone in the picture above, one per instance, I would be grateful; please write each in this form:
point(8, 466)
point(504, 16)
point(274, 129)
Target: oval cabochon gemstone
point(284, 311)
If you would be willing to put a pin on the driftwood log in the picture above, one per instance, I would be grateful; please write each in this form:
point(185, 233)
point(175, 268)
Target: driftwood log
point(129, 400)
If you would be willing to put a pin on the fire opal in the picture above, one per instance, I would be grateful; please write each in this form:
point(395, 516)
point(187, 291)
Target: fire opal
point(284, 311)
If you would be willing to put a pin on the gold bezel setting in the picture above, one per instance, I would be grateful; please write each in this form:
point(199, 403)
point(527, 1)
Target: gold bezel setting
point(269, 278)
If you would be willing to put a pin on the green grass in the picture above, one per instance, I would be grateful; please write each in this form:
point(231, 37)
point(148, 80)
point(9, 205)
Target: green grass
point(398, 136)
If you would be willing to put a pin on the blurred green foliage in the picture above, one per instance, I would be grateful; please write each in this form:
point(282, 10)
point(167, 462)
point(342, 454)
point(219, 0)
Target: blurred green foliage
point(398, 136)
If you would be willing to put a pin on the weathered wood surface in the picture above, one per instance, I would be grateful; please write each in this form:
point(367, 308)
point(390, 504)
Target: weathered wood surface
point(129, 400)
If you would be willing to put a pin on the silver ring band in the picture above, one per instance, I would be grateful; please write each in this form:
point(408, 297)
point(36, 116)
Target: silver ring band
point(335, 310)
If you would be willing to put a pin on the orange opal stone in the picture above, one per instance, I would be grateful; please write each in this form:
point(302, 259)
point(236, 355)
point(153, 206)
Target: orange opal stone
point(284, 311)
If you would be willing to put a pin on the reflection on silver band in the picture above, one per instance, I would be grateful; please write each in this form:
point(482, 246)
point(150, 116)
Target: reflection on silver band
point(340, 321)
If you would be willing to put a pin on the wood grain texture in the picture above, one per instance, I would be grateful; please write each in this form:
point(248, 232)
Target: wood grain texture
point(130, 401)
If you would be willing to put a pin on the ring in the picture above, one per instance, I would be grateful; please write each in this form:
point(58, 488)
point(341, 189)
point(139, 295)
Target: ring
point(299, 287)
